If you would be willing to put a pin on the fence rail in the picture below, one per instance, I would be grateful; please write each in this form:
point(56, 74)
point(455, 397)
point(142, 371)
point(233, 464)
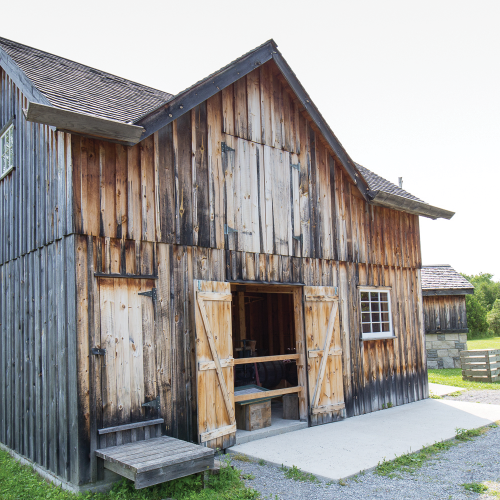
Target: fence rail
point(481, 365)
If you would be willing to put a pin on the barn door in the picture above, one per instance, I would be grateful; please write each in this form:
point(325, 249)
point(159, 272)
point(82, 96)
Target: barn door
point(214, 364)
point(128, 377)
point(324, 353)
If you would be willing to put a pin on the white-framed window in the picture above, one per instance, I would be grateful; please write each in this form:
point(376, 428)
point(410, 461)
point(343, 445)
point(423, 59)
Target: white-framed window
point(6, 150)
point(375, 310)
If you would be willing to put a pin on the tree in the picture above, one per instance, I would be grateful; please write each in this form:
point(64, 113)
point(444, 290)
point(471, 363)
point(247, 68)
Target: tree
point(486, 292)
point(493, 318)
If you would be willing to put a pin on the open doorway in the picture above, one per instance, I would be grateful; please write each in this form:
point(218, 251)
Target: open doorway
point(269, 375)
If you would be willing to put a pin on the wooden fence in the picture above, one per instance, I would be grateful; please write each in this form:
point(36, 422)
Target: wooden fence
point(481, 365)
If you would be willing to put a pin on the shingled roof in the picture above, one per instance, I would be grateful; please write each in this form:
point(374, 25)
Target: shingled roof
point(444, 280)
point(75, 87)
point(377, 183)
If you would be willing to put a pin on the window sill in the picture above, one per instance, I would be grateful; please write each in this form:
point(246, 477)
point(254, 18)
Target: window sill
point(7, 172)
point(367, 339)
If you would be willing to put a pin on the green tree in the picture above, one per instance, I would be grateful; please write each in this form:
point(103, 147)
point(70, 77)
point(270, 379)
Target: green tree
point(493, 318)
point(486, 292)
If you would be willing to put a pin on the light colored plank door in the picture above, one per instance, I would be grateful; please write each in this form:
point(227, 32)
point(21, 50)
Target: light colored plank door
point(214, 353)
point(324, 352)
point(127, 326)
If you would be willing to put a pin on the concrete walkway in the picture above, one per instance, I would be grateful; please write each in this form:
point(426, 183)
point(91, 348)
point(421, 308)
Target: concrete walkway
point(443, 390)
point(345, 448)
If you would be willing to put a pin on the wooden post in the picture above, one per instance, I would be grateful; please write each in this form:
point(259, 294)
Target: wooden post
point(241, 314)
point(270, 333)
point(280, 324)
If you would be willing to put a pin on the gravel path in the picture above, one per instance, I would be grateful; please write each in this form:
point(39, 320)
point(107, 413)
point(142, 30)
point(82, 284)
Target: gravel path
point(487, 397)
point(477, 460)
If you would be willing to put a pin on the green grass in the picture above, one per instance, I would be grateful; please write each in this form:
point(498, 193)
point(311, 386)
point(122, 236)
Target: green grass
point(484, 343)
point(475, 487)
point(297, 475)
point(453, 376)
point(412, 461)
point(19, 482)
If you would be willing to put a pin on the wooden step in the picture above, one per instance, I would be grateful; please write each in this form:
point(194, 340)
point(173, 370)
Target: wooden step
point(156, 460)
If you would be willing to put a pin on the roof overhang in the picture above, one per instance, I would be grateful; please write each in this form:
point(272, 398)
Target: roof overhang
point(396, 202)
point(448, 291)
point(83, 124)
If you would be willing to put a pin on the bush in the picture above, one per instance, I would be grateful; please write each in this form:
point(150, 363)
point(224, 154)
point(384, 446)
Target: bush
point(493, 318)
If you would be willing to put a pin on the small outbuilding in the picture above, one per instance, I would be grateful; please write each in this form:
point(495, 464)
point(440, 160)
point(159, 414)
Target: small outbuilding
point(445, 315)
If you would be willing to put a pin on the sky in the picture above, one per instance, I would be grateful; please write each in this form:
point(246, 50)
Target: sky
point(410, 88)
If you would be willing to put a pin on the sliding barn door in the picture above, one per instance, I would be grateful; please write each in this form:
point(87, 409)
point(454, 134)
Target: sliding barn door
point(128, 375)
point(324, 354)
point(214, 364)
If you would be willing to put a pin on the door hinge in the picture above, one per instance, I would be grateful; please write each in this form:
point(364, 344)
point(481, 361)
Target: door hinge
point(228, 229)
point(296, 166)
point(98, 352)
point(151, 293)
point(155, 403)
point(298, 238)
point(225, 148)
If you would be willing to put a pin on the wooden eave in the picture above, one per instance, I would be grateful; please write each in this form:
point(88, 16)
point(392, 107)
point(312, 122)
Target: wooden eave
point(401, 203)
point(447, 291)
point(201, 91)
point(83, 124)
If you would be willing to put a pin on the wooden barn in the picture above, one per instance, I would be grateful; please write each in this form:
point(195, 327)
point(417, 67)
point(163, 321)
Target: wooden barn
point(170, 263)
point(445, 315)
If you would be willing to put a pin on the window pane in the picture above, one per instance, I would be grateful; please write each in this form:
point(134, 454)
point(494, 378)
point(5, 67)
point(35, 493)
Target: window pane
point(364, 295)
point(365, 306)
point(384, 306)
point(365, 317)
point(385, 327)
point(375, 317)
point(366, 328)
point(375, 306)
point(383, 296)
point(374, 296)
point(385, 317)
point(376, 327)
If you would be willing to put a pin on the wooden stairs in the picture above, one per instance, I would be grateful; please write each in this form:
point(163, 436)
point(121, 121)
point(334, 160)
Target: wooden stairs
point(154, 459)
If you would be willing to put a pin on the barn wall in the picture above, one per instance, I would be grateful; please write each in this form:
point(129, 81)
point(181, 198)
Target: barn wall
point(244, 162)
point(173, 338)
point(38, 397)
point(35, 199)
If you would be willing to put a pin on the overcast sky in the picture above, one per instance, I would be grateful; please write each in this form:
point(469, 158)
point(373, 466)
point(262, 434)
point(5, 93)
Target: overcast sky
point(410, 88)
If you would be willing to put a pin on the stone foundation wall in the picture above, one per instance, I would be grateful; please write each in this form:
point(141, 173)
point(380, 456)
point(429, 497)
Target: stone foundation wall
point(443, 349)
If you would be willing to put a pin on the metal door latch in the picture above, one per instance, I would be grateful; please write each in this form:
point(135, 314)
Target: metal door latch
point(98, 352)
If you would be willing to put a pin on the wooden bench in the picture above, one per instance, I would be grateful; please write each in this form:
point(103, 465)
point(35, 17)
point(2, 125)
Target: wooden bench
point(154, 459)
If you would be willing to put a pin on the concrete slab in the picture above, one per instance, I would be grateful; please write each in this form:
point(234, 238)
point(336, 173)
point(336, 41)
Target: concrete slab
point(345, 448)
point(443, 390)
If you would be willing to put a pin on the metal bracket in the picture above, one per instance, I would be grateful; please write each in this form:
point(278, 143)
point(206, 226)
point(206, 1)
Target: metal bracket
point(155, 403)
point(228, 229)
point(298, 238)
point(98, 352)
point(296, 166)
point(151, 293)
point(225, 148)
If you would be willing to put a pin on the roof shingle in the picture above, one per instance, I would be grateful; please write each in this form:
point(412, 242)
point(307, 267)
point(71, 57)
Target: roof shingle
point(75, 87)
point(443, 277)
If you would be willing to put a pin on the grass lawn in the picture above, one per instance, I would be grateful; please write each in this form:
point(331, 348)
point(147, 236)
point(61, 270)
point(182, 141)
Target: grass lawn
point(484, 343)
point(453, 376)
point(19, 482)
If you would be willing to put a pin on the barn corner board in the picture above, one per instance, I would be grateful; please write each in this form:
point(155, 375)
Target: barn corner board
point(160, 255)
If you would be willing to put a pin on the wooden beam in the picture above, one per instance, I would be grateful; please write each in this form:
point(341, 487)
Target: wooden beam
point(85, 124)
point(221, 431)
point(327, 408)
point(265, 359)
point(210, 365)
point(267, 394)
point(127, 427)
point(241, 315)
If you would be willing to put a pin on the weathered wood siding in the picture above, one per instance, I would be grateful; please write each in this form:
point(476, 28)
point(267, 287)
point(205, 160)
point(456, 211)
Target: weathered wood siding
point(36, 198)
point(445, 313)
point(38, 384)
point(172, 338)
